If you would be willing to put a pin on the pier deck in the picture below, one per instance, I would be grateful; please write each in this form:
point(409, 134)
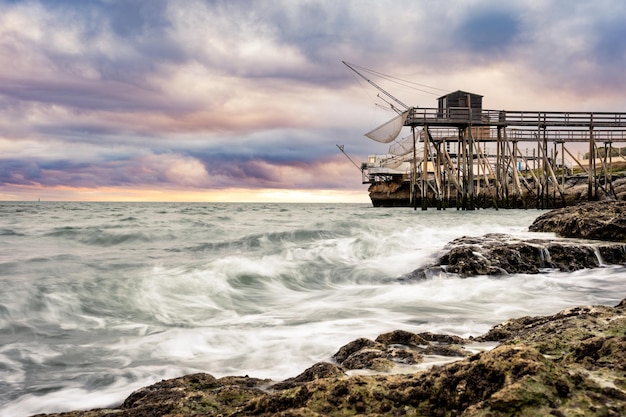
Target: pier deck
point(462, 116)
point(487, 167)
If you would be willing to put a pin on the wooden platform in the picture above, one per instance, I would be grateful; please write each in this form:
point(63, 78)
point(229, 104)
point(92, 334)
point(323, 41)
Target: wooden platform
point(471, 174)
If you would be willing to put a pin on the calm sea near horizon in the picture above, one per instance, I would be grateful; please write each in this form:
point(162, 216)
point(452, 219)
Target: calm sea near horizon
point(100, 299)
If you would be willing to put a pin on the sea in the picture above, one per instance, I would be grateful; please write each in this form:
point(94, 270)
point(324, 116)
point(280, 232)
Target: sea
point(100, 299)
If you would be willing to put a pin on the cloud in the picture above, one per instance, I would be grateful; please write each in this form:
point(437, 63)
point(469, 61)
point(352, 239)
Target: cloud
point(210, 94)
point(491, 33)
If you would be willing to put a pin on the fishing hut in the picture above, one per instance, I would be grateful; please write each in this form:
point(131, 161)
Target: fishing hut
point(460, 105)
point(461, 155)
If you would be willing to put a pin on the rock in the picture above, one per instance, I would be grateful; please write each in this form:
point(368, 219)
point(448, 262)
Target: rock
point(599, 220)
point(355, 346)
point(468, 261)
point(401, 337)
point(442, 338)
point(374, 359)
point(318, 371)
point(375, 355)
point(445, 350)
point(397, 347)
point(402, 355)
point(497, 254)
point(571, 257)
point(493, 254)
point(395, 194)
point(390, 194)
point(569, 363)
point(612, 254)
point(194, 394)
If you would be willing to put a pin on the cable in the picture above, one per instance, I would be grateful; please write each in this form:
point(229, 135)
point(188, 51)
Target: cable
point(400, 81)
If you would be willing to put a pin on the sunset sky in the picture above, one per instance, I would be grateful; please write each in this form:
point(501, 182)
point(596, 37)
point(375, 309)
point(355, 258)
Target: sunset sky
point(199, 100)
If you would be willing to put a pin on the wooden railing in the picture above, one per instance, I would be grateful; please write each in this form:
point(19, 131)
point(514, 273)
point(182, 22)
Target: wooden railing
point(564, 119)
point(490, 134)
point(457, 116)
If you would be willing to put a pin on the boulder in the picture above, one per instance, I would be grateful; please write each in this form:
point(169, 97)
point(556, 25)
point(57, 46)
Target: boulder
point(598, 220)
point(320, 370)
point(397, 347)
point(497, 254)
point(401, 337)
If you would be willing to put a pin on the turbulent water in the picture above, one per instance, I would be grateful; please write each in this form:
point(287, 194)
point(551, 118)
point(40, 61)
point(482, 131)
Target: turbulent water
point(99, 299)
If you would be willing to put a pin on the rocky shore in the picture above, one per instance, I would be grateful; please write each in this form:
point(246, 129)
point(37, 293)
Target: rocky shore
point(603, 220)
point(499, 254)
point(589, 235)
point(575, 190)
point(572, 363)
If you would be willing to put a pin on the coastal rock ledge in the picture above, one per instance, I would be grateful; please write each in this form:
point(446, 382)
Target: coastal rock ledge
point(592, 234)
point(598, 220)
point(501, 254)
point(569, 364)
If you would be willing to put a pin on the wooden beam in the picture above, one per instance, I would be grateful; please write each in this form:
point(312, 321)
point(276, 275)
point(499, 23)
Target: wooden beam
point(425, 167)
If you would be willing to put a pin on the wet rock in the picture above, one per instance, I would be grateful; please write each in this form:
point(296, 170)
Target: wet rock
point(446, 350)
point(379, 355)
point(397, 347)
point(507, 330)
point(599, 220)
point(498, 254)
point(354, 346)
point(467, 261)
point(368, 359)
point(401, 355)
point(612, 254)
point(318, 371)
point(401, 337)
point(190, 395)
point(572, 257)
point(442, 338)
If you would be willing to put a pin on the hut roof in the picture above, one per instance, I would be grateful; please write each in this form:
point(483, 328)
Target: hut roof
point(459, 92)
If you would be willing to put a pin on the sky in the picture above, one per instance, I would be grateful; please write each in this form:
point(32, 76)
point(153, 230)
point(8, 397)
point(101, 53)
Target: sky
point(246, 100)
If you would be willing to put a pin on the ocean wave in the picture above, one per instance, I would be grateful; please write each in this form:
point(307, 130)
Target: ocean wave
point(99, 237)
point(9, 232)
point(259, 240)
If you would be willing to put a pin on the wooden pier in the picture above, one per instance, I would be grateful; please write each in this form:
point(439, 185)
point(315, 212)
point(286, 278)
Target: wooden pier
point(474, 158)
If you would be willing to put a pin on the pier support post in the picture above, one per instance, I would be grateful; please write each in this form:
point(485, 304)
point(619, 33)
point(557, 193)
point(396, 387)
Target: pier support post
point(470, 170)
point(498, 165)
point(425, 169)
point(514, 173)
point(592, 167)
point(460, 177)
point(545, 168)
point(609, 177)
point(563, 171)
point(438, 176)
point(504, 161)
point(464, 170)
point(413, 191)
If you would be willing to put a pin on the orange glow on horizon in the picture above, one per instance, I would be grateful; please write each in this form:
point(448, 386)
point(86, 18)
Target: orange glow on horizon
point(239, 195)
